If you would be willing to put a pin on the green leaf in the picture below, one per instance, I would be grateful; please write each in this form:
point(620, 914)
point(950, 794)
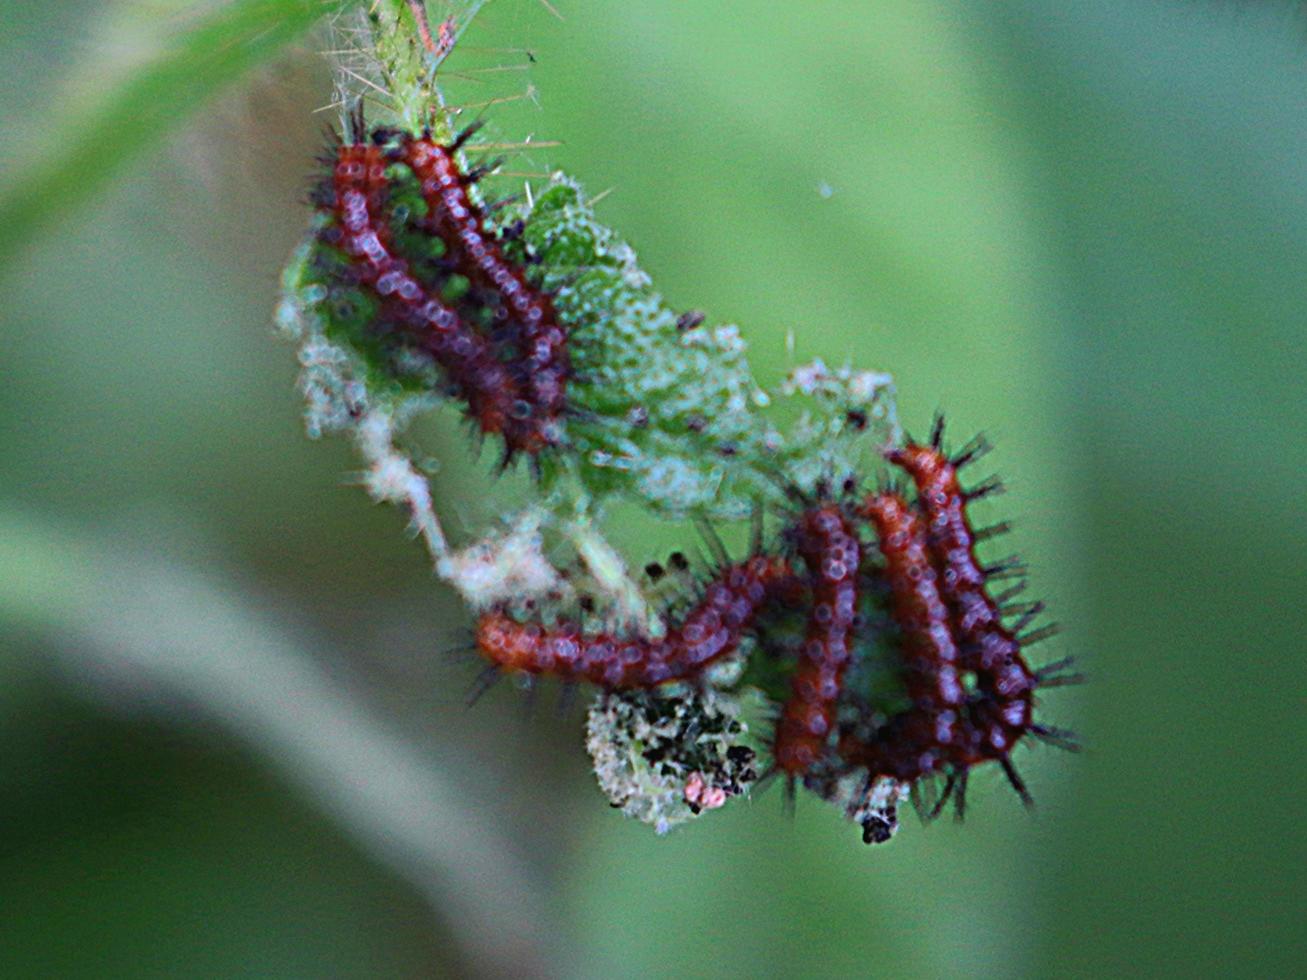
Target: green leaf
point(92, 141)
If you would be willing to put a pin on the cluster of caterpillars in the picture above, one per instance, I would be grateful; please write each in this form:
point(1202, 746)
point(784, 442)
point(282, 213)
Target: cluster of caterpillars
point(970, 691)
point(502, 351)
point(495, 338)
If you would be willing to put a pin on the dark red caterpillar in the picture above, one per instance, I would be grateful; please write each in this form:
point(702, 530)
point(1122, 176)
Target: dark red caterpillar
point(1000, 712)
point(987, 644)
point(710, 630)
point(542, 360)
point(831, 551)
point(357, 200)
point(929, 653)
point(923, 738)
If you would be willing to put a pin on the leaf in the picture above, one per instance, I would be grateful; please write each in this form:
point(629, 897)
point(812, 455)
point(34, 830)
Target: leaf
point(94, 141)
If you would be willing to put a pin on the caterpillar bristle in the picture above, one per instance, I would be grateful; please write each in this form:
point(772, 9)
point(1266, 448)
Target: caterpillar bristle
point(1011, 592)
point(1018, 608)
point(458, 654)
point(977, 448)
point(465, 134)
point(1059, 738)
point(923, 795)
point(789, 801)
point(506, 459)
point(1029, 614)
point(1056, 674)
point(765, 780)
point(566, 699)
point(1004, 573)
point(1064, 680)
point(937, 431)
point(950, 784)
point(991, 487)
point(482, 170)
point(993, 531)
point(1017, 783)
point(484, 681)
point(498, 204)
point(530, 692)
point(712, 540)
point(960, 797)
point(357, 125)
point(319, 197)
point(1009, 567)
point(1039, 635)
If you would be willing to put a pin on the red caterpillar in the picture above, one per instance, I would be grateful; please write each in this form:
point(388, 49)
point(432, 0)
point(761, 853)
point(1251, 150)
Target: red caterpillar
point(542, 360)
point(988, 645)
point(357, 201)
point(921, 739)
point(930, 655)
point(710, 630)
point(1001, 711)
point(832, 553)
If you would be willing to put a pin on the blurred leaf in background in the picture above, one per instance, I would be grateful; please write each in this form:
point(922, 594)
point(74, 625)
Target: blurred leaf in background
point(1078, 226)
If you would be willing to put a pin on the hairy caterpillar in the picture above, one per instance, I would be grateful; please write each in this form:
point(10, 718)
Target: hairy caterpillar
point(523, 313)
point(711, 629)
point(920, 739)
point(829, 547)
point(1001, 709)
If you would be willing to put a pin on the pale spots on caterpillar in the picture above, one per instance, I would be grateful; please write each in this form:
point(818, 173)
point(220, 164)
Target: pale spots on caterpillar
point(521, 400)
point(530, 316)
point(829, 548)
point(709, 630)
point(921, 739)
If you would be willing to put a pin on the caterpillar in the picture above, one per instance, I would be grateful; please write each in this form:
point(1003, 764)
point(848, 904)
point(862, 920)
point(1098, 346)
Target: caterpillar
point(356, 199)
point(829, 547)
point(920, 739)
point(512, 379)
point(1001, 710)
point(929, 651)
point(711, 629)
point(977, 618)
point(524, 313)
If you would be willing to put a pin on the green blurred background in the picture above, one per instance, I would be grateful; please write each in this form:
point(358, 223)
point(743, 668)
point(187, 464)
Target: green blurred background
point(229, 742)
